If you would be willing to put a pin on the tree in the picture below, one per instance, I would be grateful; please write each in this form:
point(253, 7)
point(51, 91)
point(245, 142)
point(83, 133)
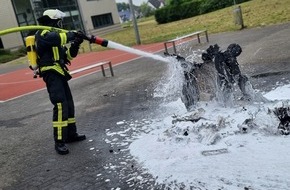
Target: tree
point(167, 2)
point(146, 10)
point(122, 6)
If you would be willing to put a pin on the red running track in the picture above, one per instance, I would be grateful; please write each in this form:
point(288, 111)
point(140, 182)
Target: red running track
point(20, 82)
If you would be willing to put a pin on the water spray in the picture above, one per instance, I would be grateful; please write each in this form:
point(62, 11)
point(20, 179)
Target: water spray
point(121, 47)
point(114, 45)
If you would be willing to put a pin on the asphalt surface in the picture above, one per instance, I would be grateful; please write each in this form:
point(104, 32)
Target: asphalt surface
point(28, 159)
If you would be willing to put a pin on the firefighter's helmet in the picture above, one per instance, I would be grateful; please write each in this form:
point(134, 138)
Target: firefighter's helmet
point(54, 14)
point(52, 17)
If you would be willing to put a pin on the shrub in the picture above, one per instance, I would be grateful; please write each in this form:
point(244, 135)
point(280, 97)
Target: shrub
point(177, 12)
point(4, 52)
point(7, 55)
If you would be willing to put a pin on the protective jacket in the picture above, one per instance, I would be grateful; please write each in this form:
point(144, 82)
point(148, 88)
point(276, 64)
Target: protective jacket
point(52, 53)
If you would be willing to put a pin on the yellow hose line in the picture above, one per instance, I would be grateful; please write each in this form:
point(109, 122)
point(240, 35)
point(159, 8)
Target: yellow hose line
point(32, 27)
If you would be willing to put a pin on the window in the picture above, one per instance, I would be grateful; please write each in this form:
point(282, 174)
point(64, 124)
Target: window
point(100, 21)
point(1, 44)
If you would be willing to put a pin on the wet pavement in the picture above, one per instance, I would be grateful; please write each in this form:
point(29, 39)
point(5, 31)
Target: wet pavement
point(102, 162)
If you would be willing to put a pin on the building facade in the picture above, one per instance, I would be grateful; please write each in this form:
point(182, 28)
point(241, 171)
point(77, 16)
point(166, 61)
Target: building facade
point(91, 16)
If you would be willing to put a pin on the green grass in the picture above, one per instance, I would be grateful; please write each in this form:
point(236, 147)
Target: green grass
point(256, 13)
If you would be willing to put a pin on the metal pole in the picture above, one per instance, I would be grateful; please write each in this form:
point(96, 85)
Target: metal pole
point(134, 23)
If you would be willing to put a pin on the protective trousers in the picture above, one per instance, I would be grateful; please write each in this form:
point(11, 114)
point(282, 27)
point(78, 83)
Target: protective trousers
point(64, 124)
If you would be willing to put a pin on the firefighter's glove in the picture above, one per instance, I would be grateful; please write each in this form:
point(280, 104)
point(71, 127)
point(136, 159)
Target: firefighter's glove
point(92, 39)
point(80, 34)
point(75, 45)
point(77, 42)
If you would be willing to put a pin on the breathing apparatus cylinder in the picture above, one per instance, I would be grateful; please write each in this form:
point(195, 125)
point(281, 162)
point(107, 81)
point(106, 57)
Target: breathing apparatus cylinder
point(31, 52)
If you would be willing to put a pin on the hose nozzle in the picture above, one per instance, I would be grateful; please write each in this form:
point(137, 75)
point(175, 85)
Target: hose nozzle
point(101, 41)
point(93, 39)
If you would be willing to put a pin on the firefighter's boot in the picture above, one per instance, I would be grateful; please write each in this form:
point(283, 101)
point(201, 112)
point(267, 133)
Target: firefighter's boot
point(73, 136)
point(61, 148)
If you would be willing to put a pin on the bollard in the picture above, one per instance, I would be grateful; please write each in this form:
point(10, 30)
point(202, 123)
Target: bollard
point(238, 17)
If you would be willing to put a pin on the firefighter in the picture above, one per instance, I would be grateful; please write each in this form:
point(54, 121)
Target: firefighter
point(53, 58)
